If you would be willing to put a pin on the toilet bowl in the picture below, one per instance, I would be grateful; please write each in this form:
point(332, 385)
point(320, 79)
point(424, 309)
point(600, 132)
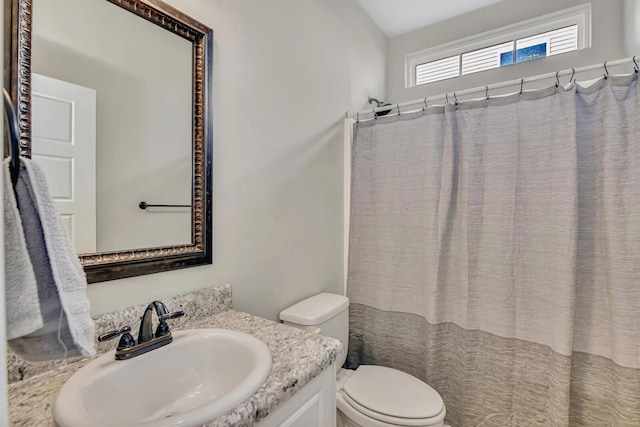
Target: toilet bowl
point(370, 396)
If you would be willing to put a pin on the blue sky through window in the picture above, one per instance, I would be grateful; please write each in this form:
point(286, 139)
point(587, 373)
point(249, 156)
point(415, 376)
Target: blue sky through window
point(506, 58)
point(531, 52)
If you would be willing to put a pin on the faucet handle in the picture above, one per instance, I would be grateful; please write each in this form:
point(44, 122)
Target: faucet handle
point(163, 327)
point(112, 334)
point(173, 315)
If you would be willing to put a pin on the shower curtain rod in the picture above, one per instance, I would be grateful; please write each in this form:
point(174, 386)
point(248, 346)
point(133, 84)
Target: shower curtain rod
point(572, 71)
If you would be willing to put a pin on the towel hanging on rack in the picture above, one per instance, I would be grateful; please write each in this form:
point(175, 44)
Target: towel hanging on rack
point(48, 313)
point(46, 250)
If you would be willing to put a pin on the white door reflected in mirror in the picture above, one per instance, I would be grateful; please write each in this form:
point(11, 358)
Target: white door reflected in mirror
point(64, 145)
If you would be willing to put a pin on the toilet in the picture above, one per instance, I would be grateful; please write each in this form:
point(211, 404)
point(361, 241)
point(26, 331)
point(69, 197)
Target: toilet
point(370, 396)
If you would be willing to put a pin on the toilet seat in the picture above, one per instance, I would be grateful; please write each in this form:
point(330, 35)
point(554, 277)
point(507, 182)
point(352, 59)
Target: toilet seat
point(392, 397)
point(395, 421)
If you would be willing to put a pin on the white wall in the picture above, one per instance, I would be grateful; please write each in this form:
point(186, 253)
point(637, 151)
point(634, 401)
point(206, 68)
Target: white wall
point(632, 25)
point(285, 72)
point(142, 77)
point(607, 44)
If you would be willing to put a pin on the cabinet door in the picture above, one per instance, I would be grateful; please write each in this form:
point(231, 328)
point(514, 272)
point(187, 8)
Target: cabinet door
point(309, 414)
point(314, 405)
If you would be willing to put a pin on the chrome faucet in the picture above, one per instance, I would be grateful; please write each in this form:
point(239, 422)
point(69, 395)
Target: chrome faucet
point(147, 340)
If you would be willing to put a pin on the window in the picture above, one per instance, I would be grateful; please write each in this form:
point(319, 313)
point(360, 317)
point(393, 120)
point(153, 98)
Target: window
point(548, 35)
point(438, 70)
point(487, 58)
point(546, 44)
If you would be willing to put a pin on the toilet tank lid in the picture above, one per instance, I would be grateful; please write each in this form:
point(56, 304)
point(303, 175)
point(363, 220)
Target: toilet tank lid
point(315, 310)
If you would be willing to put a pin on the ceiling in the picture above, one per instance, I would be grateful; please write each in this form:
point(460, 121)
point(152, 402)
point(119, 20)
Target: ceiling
point(395, 17)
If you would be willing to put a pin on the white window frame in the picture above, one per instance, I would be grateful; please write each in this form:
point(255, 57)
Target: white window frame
point(578, 15)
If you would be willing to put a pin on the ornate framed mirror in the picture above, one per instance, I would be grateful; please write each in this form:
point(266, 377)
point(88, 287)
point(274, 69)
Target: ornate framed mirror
point(114, 100)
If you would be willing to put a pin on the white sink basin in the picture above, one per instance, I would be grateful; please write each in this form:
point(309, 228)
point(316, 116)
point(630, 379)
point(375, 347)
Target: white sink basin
point(201, 375)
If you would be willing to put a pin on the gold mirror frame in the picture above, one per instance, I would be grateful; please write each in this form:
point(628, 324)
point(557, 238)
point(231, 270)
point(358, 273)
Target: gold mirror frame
point(105, 266)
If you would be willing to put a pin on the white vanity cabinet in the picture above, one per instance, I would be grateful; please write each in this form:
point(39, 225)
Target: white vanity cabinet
point(314, 405)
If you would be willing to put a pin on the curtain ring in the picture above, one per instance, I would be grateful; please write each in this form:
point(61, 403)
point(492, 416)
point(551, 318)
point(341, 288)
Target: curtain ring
point(606, 72)
point(557, 78)
point(521, 85)
point(573, 73)
point(635, 64)
point(456, 98)
point(486, 91)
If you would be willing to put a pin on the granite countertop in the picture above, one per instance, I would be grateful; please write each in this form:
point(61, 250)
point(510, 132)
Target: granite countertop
point(298, 356)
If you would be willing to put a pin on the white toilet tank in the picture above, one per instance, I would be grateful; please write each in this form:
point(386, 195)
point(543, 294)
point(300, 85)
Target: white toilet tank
point(326, 314)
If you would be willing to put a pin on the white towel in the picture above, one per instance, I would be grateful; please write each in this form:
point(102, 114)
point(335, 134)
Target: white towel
point(67, 329)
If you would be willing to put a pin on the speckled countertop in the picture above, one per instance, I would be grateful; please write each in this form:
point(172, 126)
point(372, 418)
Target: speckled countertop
point(298, 356)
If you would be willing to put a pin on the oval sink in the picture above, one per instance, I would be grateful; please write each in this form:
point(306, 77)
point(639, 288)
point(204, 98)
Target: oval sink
point(201, 375)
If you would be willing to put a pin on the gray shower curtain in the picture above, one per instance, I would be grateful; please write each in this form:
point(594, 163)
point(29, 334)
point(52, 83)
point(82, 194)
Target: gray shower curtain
point(495, 254)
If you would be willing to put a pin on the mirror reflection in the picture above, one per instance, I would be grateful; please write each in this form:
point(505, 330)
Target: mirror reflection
point(112, 124)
